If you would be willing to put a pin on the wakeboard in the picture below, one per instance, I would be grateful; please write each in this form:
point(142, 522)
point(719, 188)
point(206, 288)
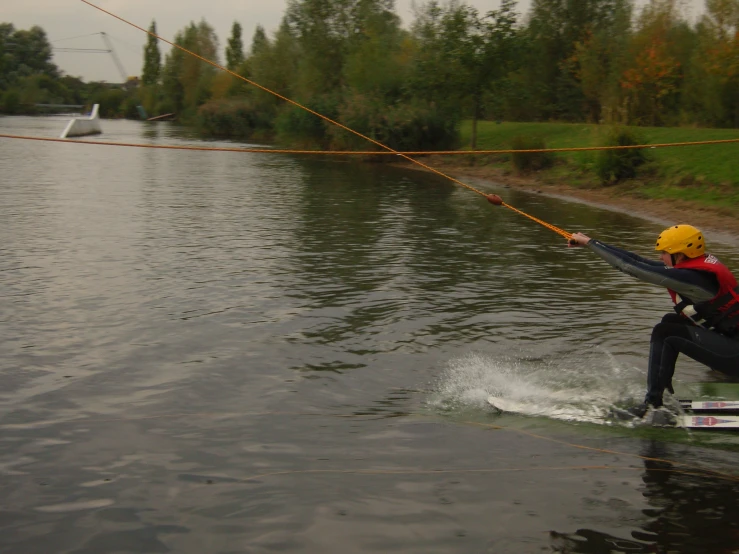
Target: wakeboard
point(709, 421)
point(722, 406)
point(709, 414)
point(698, 414)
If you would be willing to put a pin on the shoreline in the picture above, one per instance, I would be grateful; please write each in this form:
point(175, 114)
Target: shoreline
point(722, 227)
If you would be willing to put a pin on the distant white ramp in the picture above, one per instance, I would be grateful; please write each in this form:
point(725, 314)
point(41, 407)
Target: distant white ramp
point(81, 126)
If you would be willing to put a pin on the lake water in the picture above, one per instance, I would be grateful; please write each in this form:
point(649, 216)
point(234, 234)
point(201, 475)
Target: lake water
point(224, 352)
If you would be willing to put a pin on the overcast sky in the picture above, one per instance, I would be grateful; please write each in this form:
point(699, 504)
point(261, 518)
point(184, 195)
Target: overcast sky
point(63, 19)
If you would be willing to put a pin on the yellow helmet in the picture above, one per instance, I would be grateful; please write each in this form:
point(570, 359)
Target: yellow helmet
point(684, 239)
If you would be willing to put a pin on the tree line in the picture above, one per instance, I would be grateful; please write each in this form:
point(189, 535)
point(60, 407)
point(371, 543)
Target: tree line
point(599, 61)
point(351, 60)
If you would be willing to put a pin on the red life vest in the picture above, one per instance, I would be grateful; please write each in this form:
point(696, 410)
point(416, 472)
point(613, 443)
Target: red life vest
point(721, 312)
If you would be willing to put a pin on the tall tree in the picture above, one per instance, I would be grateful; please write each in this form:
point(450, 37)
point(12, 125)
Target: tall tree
point(463, 56)
point(597, 63)
point(259, 41)
point(554, 29)
point(314, 24)
point(25, 53)
point(437, 31)
point(326, 31)
point(172, 90)
point(655, 72)
point(722, 17)
point(235, 48)
point(6, 32)
point(152, 58)
point(373, 63)
point(273, 63)
point(500, 48)
point(712, 79)
point(186, 79)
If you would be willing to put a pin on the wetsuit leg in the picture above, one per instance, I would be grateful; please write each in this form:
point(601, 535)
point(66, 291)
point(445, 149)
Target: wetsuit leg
point(675, 335)
point(717, 351)
point(671, 326)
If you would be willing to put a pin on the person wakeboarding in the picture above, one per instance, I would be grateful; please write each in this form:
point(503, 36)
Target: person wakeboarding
point(705, 325)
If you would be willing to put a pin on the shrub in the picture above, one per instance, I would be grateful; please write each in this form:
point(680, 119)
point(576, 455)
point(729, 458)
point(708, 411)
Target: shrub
point(530, 161)
point(130, 108)
point(295, 125)
point(615, 165)
point(235, 118)
point(11, 102)
point(416, 125)
point(111, 102)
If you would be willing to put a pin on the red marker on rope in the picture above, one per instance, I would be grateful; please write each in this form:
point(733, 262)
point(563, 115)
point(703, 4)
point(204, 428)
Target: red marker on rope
point(495, 199)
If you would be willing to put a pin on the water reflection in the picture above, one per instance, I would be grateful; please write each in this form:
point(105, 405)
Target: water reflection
point(152, 132)
point(689, 510)
point(587, 541)
point(171, 317)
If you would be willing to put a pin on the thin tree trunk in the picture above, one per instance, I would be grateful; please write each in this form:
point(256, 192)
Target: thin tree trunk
point(475, 115)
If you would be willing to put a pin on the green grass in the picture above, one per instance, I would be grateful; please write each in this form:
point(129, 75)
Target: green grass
point(708, 173)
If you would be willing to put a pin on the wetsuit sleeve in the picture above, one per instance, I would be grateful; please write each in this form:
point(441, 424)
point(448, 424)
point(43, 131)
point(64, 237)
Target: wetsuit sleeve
point(691, 284)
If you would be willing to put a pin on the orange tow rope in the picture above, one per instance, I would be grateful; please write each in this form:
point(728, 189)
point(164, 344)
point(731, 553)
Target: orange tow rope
point(498, 201)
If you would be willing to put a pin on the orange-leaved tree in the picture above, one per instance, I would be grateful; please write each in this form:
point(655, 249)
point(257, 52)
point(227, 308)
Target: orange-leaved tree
point(654, 72)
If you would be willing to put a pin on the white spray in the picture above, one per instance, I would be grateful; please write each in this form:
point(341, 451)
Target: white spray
point(584, 388)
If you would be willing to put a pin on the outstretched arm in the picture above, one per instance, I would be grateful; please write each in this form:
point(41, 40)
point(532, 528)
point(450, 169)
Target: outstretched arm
point(688, 283)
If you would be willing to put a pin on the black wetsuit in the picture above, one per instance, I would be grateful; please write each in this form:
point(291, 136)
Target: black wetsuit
point(675, 334)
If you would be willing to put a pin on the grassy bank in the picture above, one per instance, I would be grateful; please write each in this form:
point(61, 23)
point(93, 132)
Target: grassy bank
point(707, 175)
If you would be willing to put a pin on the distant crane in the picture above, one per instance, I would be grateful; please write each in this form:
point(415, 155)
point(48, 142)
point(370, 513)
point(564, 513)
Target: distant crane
point(118, 63)
point(107, 50)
